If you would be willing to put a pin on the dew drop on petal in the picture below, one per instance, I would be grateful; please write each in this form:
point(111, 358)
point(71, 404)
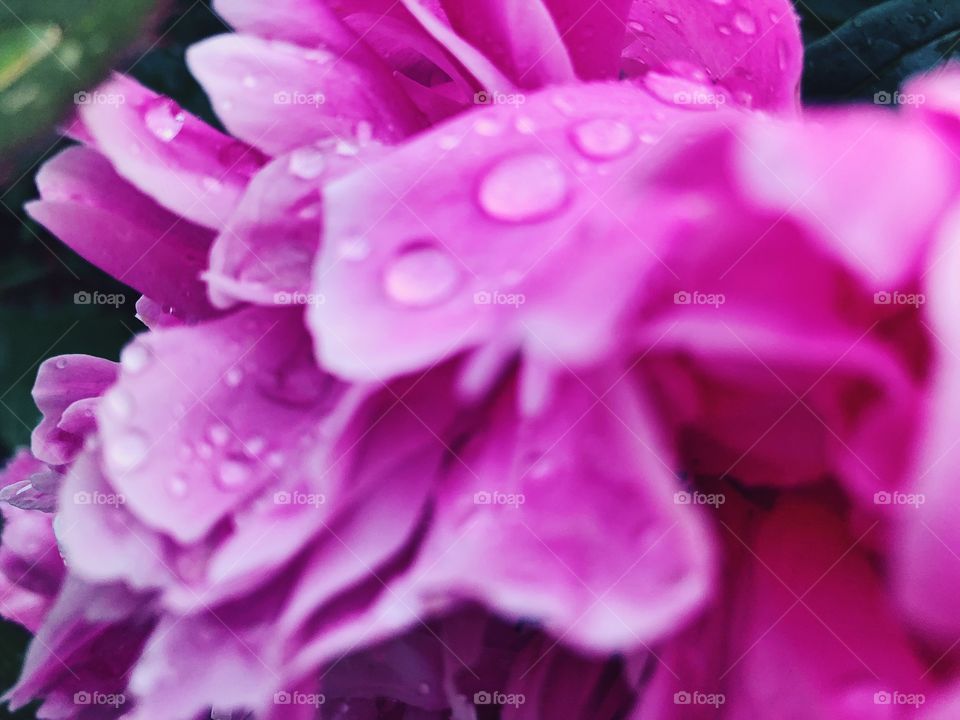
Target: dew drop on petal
point(120, 403)
point(234, 377)
point(672, 19)
point(164, 118)
point(135, 358)
point(307, 163)
point(233, 473)
point(219, 435)
point(684, 92)
point(524, 188)
point(128, 451)
point(177, 486)
point(603, 139)
point(61, 363)
point(422, 275)
point(745, 23)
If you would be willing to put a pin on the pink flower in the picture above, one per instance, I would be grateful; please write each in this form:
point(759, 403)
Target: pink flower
point(431, 334)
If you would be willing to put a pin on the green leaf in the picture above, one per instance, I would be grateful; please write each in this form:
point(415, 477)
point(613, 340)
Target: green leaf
point(52, 49)
point(858, 48)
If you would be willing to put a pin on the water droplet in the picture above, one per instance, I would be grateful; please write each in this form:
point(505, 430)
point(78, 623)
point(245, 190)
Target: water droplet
point(219, 435)
point(233, 377)
point(164, 118)
point(128, 451)
point(783, 54)
point(525, 188)
point(721, 3)
point(526, 126)
point(724, 29)
point(307, 163)
point(61, 363)
point(672, 19)
point(234, 473)
point(603, 139)
point(178, 486)
point(421, 275)
point(487, 127)
point(135, 358)
point(120, 403)
point(745, 23)
point(423, 688)
point(255, 446)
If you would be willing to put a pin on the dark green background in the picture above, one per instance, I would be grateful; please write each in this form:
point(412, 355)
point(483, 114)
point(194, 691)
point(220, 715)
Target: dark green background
point(855, 48)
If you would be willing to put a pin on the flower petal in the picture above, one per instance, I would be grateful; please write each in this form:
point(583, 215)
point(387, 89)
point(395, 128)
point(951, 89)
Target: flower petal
point(172, 156)
point(278, 96)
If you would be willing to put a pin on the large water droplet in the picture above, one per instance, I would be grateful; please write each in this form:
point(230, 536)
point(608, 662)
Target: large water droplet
point(603, 139)
point(128, 451)
point(422, 275)
point(744, 22)
point(234, 473)
point(177, 486)
point(307, 163)
point(135, 358)
point(164, 118)
point(120, 403)
point(524, 188)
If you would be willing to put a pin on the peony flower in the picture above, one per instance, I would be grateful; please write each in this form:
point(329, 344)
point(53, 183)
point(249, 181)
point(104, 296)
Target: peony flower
point(432, 334)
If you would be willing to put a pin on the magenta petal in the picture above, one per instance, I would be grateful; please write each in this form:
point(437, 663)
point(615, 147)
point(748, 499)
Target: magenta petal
point(749, 51)
point(192, 430)
point(506, 508)
point(265, 253)
point(111, 224)
point(519, 36)
point(278, 96)
point(593, 34)
point(62, 384)
point(172, 156)
point(488, 245)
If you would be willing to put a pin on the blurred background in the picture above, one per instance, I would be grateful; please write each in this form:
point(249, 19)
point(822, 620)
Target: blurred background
point(50, 50)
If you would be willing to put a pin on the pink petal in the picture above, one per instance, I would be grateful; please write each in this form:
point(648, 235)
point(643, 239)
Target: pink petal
point(189, 427)
point(518, 36)
point(279, 96)
point(62, 383)
point(117, 228)
point(749, 51)
point(489, 246)
point(172, 156)
point(593, 34)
